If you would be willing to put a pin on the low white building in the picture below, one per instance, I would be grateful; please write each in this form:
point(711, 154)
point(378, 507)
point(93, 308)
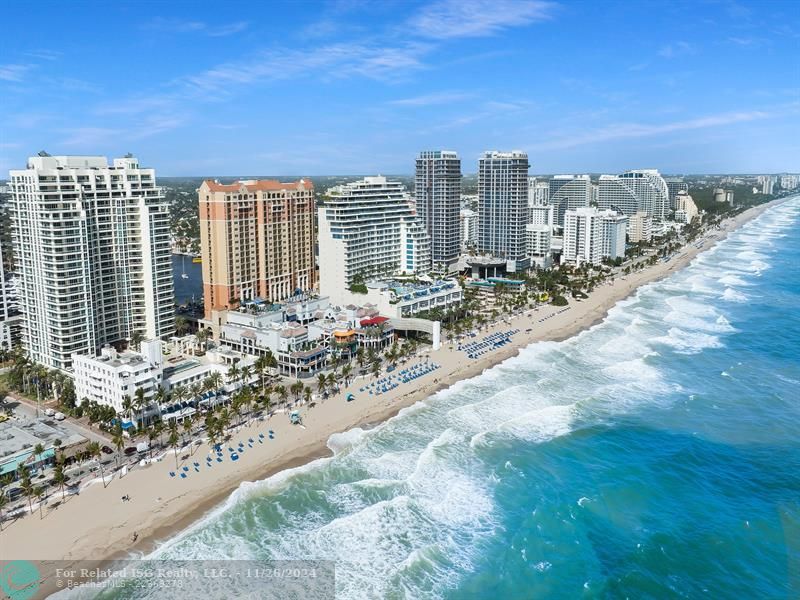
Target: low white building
point(401, 298)
point(537, 238)
point(113, 376)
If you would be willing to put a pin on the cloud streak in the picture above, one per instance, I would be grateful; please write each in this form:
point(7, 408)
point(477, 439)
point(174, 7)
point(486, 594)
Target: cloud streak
point(432, 99)
point(638, 130)
point(14, 72)
point(162, 25)
point(676, 49)
point(331, 61)
point(448, 19)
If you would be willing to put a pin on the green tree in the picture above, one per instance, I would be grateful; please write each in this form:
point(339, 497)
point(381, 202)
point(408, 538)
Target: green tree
point(3, 502)
point(38, 450)
point(174, 442)
point(181, 325)
point(59, 478)
point(28, 490)
point(118, 440)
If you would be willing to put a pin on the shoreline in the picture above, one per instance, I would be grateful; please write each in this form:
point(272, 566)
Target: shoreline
point(162, 507)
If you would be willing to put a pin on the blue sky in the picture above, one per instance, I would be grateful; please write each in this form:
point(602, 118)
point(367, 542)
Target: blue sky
point(351, 87)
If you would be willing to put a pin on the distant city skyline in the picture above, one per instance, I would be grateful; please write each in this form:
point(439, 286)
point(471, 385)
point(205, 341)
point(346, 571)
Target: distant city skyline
point(355, 88)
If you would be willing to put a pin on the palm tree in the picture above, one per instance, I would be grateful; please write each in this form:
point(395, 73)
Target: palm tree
point(322, 383)
point(346, 370)
point(56, 447)
point(38, 450)
point(297, 389)
point(307, 394)
point(360, 356)
point(119, 441)
point(215, 380)
point(152, 435)
point(233, 373)
point(127, 406)
point(59, 478)
point(195, 390)
point(3, 502)
point(141, 403)
point(173, 442)
point(333, 383)
point(38, 493)
point(136, 339)
point(29, 490)
point(179, 393)
point(261, 368)
point(181, 325)
point(282, 393)
point(245, 373)
point(187, 427)
point(93, 451)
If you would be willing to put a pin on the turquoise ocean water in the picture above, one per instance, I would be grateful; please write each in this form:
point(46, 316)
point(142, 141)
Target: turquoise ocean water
point(656, 455)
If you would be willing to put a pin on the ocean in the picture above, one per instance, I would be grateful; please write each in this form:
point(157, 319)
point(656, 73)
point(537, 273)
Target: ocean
point(655, 455)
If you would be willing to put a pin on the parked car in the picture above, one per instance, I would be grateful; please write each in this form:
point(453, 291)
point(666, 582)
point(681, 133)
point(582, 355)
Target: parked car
point(130, 450)
point(106, 450)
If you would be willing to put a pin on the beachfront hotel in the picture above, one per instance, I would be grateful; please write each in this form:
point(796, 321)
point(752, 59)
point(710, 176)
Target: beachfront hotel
point(635, 191)
point(437, 192)
point(503, 205)
point(640, 227)
point(568, 192)
point(256, 240)
point(591, 235)
point(675, 185)
point(91, 246)
point(685, 208)
point(111, 377)
point(369, 230)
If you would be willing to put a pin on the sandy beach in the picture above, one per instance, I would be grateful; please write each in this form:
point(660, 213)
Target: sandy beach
point(99, 526)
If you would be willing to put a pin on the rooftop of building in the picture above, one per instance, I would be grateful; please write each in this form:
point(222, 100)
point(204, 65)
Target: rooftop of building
point(23, 433)
point(45, 161)
point(258, 185)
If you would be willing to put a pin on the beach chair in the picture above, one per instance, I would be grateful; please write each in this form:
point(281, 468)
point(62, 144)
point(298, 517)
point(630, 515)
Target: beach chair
point(183, 475)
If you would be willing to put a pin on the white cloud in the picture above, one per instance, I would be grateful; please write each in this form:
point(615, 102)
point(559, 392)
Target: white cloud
point(331, 61)
point(432, 99)
point(160, 24)
point(14, 72)
point(229, 29)
point(676, 49)
point(476, 18)
point(637, 130)
point(90, 136)
point(44, 54)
